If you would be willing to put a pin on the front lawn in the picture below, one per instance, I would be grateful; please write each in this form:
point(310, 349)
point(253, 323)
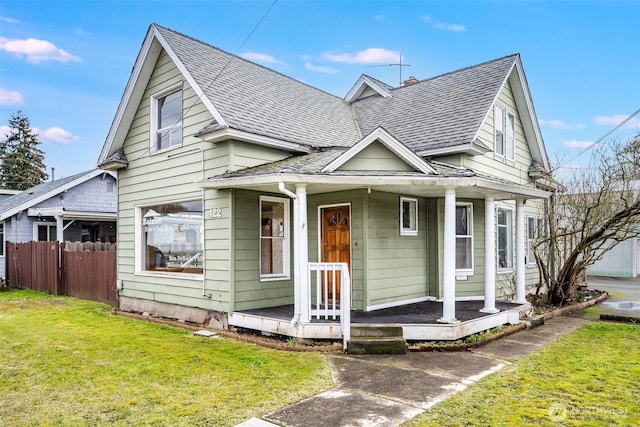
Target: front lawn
point(587, 378)
point(65, 361)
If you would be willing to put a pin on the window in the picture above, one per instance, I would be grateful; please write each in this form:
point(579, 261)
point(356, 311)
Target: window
point(408, 216)
point(2, 238)
point(534, 231)
point(504, 125)
point(464, 238)
point(505, 239)
point(173, 237)
point(274, 237)
point(46, 232)
point(166, 119)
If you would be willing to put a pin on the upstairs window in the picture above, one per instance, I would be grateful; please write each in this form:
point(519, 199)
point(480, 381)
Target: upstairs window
point(166, 119)
point(504, 134)
point(408, 216)
point(464, 238)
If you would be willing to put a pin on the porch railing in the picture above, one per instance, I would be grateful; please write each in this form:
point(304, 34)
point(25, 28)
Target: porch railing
point(330, 294)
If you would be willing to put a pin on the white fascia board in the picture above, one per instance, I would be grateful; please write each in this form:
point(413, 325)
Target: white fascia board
point(457, 149)
point(132, 96)
point(229, 133)
point(388, 141)
point(531, 127)
point(90, 216)
point(360, 86)
point(50, 194)
point(192, 82)
point(499, 189)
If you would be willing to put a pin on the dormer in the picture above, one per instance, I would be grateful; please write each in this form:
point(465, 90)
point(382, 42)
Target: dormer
point(367, 86)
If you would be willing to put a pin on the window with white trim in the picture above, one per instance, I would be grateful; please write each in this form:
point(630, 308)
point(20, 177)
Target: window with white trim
point(166, 119)
point(408, 216)
point(504, 245)
point(534, 231)
point(274, 238)
point(46, 232)
point(464, 238)
point(173, 237)
point(504, 134)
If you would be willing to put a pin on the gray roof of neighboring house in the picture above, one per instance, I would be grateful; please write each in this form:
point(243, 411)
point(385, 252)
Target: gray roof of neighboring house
point(36, 192)
point(439, 112)
point(261, 101)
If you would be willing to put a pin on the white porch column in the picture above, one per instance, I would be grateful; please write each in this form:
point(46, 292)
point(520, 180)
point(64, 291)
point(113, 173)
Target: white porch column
point(302, 252)
point(520, 253)
point(449, 258)
point(489, 256)
point(297, 282)
point(59, 228)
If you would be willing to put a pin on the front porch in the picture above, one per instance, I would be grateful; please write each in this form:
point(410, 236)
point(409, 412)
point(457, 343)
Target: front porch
point(419, 320)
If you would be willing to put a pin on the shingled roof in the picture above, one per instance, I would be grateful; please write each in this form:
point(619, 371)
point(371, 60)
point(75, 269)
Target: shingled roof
point(264, 102)
point(444, 111)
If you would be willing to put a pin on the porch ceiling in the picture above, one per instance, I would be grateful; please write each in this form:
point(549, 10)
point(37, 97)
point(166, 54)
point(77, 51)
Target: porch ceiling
point(415, 184)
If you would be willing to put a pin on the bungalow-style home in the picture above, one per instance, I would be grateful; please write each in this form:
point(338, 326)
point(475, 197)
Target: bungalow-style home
point(248, 199)
point(81, 207)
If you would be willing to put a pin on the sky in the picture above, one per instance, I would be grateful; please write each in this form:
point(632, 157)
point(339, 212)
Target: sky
point(66, 63)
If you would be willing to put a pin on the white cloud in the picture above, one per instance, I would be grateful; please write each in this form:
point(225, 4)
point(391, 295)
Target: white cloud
point(442, 25)
point(559, 124)
point(367, 56)
point(36, 50)
point(578, 144)
point(320, 69)
point(55, 134)
point(10, 97)
point(9, 20)
point(260, 57)
point(616, 119)
point(378, 17)
point(5, 131)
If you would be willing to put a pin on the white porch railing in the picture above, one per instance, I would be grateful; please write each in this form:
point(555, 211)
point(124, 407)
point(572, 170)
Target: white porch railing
point(330, 294)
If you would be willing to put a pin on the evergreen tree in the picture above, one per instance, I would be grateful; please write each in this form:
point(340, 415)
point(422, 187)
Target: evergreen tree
point(22, 161)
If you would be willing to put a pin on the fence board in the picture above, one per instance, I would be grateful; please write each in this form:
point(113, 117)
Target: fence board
point(45, 266)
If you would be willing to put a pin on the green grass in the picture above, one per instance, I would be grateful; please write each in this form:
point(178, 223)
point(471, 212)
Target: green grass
point(587, 378)
point(65, 361)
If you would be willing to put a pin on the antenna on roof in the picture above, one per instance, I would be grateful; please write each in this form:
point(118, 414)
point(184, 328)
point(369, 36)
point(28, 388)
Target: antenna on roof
point(399, 65)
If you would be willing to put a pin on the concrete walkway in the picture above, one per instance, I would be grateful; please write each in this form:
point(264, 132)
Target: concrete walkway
point(377, 391)
point(389, 390)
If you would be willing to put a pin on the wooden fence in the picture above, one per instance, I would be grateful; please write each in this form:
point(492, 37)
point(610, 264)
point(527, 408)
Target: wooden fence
point(49, 267)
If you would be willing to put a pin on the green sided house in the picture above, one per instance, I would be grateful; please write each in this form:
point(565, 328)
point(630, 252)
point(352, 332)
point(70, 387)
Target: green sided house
point(247, 199)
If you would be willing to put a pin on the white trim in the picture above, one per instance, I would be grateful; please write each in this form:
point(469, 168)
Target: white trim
point(3, 239)
point(228, 133)
point(399, 303)
point(286, 241)
point(467, 271)
point(409, 231)
point(471, 298)
point(511, 236)
point(49, 224)
point(154, 99)
point(385, 138)
point(361, 85)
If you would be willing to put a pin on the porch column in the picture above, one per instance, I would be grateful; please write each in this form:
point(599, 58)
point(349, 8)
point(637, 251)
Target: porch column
point(520, 253)
point(489, 256)
point(449, 258)
point(59, 228)
point(297, 282)
point(302, 252)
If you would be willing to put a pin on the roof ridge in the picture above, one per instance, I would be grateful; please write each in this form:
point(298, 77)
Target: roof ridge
point(236, 56)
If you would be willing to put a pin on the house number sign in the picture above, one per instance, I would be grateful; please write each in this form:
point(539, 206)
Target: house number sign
point(215, 213)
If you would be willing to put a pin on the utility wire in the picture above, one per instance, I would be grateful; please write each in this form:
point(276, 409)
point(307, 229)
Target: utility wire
point(231, 58)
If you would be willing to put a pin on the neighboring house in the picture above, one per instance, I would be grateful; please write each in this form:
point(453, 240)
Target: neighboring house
point(236, 183)
point(81, 207)
point(621, 261)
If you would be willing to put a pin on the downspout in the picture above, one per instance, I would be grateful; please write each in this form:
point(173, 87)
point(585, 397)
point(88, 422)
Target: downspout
point(296, 271)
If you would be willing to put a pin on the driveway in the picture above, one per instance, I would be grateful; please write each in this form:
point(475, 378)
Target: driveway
point(624, 297)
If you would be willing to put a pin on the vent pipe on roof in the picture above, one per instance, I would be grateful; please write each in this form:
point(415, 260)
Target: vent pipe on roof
point(53, 173)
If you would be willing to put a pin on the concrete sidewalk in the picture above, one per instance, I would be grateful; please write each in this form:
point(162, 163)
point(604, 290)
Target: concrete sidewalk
point(389, 390)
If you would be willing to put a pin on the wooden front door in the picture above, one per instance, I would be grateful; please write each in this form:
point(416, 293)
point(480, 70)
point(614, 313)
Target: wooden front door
point(336, 241)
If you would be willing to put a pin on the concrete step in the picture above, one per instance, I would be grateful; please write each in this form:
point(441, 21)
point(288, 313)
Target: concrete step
point(377, 345)
point(373, 330)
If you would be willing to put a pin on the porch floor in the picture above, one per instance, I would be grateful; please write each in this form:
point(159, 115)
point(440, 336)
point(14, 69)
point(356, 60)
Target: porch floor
point(421, 313)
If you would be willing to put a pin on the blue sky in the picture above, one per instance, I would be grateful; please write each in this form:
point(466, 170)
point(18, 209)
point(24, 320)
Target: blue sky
point(66, 63)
